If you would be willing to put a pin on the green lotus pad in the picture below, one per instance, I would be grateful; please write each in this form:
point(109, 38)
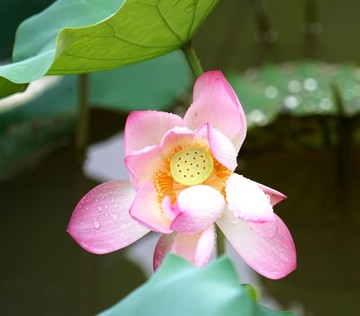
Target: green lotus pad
point(299, 88)
point(106, 35)
point(178, 288)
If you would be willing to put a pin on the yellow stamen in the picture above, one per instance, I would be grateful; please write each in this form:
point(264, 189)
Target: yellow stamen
point(169, 180)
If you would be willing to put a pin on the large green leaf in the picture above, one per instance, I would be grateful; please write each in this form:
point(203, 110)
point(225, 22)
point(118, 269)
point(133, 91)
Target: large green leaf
point(106, 35)
point(299, 88)
point(7, 87)
point(178, 288)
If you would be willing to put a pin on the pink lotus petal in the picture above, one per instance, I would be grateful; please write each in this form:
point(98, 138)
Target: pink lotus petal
point(247, 201)
point(275, 196)
point(146, 209)
point(195, 248)
point(221, 147)
point(199, 207)
point(266, 247)
point(162, 248)
point(169, 211)
point(216, 103)
point(147, 128)
point(143, 164)
point(101, 222)
point(177, 136)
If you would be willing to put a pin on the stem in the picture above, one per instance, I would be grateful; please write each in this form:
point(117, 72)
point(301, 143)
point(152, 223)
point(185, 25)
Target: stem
point(345, 148)
point(82, 129)
point(220, 241)
point(267, 36)
point(192, 59)
point(312, 28)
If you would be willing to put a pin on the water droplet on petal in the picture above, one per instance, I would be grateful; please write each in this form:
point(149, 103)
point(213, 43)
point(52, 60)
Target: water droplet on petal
point(96, 223)
point(115, 217)
point(235, 221)
point(264, 230)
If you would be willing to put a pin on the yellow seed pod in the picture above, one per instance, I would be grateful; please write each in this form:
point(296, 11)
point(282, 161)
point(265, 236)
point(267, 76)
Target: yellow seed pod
point(191, 166)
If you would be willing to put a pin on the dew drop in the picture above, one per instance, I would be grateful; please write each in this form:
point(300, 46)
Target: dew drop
point(265, 230)
point(325, 104)
point(258, 117)
point(235, 221)
point(271, 92)
point(291, 102)
point(115, 217)
point(310, 84)
point(96, 223)
point(294, 86)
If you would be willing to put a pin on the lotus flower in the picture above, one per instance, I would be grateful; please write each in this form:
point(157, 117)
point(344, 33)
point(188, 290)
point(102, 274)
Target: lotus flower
point(183, 183)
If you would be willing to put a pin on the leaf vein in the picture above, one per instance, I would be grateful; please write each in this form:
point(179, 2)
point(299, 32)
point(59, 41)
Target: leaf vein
point(115, 35)
point(168, 25)
point(143, 57)
point(193, 21)
point(204, 15)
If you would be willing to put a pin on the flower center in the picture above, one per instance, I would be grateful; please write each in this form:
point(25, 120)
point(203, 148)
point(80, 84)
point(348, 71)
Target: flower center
point(191, 166)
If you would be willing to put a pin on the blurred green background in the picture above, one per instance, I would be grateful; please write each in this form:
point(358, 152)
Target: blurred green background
point(313, 159)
